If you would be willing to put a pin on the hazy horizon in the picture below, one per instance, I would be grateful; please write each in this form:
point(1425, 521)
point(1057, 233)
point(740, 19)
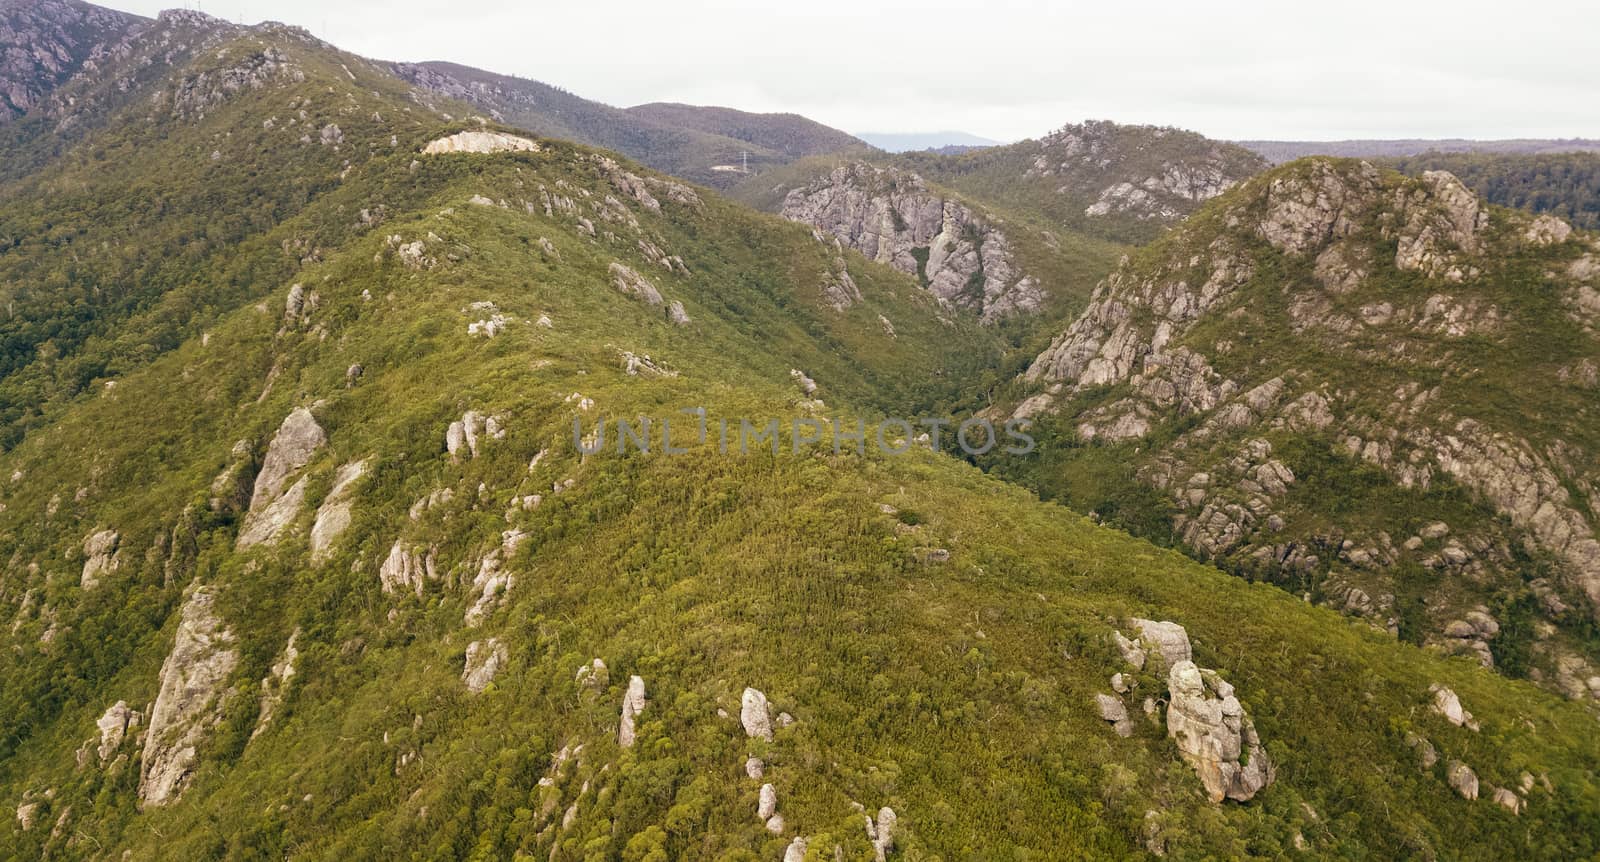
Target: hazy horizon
point(1238, 71)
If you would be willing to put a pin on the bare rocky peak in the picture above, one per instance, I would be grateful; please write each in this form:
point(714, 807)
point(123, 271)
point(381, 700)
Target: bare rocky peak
point(44, 42)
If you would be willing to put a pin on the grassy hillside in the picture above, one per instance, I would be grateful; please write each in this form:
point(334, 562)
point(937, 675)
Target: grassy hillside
point(351, 452)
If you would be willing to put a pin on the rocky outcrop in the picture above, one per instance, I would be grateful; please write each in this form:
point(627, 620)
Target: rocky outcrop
point(1462, 779)
point(633, 703)
point(893, 217)
point(191, 699)
point(406, 569)
point(1447, 704)
point(464, 437)
point(755, 715)
point(881, 833)
point(630, 283)
point(271, 507)
point(100, 557)
point(333, 516)
point(485, 658)
point(1234, 376)
point(796, 851)
point(1214, 734)
point(48, 41)
point(480, 142)
point(115, 725)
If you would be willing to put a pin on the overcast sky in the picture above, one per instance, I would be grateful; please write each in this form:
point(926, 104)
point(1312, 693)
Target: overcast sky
point(1010, 69)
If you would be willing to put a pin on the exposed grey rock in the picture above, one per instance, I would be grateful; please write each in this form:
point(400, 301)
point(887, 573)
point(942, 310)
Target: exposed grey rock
point(893, 217)
point(1113, 710)
point(633, 703)
point(631, 283)
point(190, 701)
point(492, 582)
point(479, 142)
point(1447, 704)
point(28, 814)
point(485, 659)
point(114, 726)
point(100, 557)
point(768, 803)
point(677, 315)
point(1166, 638)
point(272, 508)
point(1508, 799)
point(1214, 735)
point(1132, 652)
point(881, 833)
point(754, 714)
point(406, 568)
point(755, 767)
point(1547, 230)
point(796, 851)
point(593, 677)
point(331, 135)
point(1462, 779)
point(333, 516)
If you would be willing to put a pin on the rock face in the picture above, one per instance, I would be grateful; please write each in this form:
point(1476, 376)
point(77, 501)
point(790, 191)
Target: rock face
point(114, 727)
point(484, 660)
point(881, 833)
point(1214, 734)
point(1233, 344)
point(633, 703)
point(893, 217)
point(190, 701)
point(480, 142)
point(100, 557)
point(50, 41)
point(333, 516)
point(755, 715)
point(271, 507)
point(406, 569)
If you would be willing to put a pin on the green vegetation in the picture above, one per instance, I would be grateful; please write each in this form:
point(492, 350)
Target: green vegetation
point(958, 691)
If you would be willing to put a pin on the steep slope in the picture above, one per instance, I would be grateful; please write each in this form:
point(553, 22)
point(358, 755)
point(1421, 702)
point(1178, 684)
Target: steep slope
point(371, 627)
point(157, 189)
point(790, 134)
point(686, 151)
point(1371, 389)
point(1125, 183)
point(348, 569)
point(47, 42)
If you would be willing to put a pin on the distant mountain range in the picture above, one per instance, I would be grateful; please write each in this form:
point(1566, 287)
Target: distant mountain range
point(903, 142)
point(1279, 152)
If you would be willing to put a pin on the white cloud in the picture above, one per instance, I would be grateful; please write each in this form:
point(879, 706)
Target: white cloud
point(1008, 69)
